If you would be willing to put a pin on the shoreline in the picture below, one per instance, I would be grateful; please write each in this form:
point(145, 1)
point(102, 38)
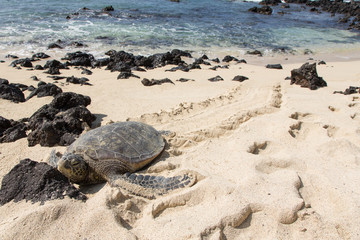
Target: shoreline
point(272, 156)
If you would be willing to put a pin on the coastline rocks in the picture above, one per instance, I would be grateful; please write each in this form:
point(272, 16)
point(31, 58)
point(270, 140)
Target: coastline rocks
point(23, 62)
point(75, 80)
point(240, 78)
point(152, 82)
point(254, 52)
point(306, 76)
point(216, 79)
point(274, 66)
point(126, 75)
point(270, 2)
point(48, 89)
point(11, 130)
point(79, 59)
point(11, 92)
point(123, 61)
point(348, 91)
point(40, 55)
point(36, 182)
point(61, 121)
point(266, 10)
point(108, 9)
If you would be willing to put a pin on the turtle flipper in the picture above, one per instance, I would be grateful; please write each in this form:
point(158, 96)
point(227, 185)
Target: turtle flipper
point(149, 186)
point(53, 159)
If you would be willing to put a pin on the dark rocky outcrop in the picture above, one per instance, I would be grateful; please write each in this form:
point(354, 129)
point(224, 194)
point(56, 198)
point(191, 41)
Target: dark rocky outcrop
point(122, 61)
point(126, 75)
point(270, 2)
point(75, 80)
point(240, 78)
point(274, 66)
point(36, 182)
point(152, 82)
point(48, 89)
point(349, 90)
point(254, 52)
point(23, 62)
point(184, 80)
point(61, 121)
point(108, 9)
point(266, 10)
point(306, 76)
point(216, 79)
point(39, 55)
point(86, 71)
point(11, 130)
point(219, 66)
point(229, 58)
point(11, 92)
point(79, 59)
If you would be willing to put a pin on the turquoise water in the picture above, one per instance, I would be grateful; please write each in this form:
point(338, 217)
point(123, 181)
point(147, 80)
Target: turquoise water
point(147, 26)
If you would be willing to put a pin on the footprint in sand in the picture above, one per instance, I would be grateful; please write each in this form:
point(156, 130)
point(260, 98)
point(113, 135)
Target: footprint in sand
point(257, 148)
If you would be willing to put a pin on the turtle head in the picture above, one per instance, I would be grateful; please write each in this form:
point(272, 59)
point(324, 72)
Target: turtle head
point(74, 167)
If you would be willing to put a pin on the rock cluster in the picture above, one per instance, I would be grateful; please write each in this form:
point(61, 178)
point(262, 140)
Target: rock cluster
point(61, 121)
point(11, 91)
point(36, 182)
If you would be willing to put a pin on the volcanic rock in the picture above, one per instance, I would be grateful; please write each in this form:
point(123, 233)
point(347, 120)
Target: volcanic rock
point(48, 89)
point(61, 121)
point(11, 130)
point(240, 78)
point(147, 82)
point(216, 79)
point(274, 66)
point(11, 92)
point(266, 10)
point(36, 182)
point(306, 76)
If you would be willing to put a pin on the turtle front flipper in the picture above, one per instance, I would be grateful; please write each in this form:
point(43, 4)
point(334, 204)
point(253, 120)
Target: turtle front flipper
point(149, 186)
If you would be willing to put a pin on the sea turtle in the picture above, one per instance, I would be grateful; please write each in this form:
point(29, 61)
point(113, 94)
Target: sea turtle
point(112, 153)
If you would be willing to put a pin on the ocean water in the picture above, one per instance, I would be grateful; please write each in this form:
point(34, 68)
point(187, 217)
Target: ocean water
point(149, 26)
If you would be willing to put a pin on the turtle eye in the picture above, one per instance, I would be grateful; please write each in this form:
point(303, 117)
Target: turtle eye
point(75, 162)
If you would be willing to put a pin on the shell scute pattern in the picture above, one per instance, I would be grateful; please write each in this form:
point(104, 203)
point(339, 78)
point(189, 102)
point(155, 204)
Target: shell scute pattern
point(132, 144)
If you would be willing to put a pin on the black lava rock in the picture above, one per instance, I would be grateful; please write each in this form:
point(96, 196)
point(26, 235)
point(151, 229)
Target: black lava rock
point(79, 59)
point(40, 55)
point(61, 121)
point(11, 92)
point(147, 82)
point(23, 62)
point(48, 89)
point(86, 71)
point(108, 9)
point(11, 130)
point(266, 10)
point(229, 58)
point(348, 91)
point(274, 66)
point(240, 78)
point(306, 76)
point(36, 182)
point(254, 52)
point(216, 79)
point(75, 80)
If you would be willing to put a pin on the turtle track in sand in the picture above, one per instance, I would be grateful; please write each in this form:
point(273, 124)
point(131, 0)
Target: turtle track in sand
point(214, 117)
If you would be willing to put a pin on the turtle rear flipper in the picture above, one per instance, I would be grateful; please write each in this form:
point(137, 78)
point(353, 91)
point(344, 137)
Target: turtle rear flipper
point(149, 186)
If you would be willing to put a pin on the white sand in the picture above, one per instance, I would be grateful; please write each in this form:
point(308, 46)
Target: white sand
point(277, 161)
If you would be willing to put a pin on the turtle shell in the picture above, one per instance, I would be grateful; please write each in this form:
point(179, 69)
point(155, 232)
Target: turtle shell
point(125, 146)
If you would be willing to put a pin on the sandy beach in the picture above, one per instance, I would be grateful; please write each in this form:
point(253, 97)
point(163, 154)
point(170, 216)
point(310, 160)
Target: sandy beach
point(274, 160)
